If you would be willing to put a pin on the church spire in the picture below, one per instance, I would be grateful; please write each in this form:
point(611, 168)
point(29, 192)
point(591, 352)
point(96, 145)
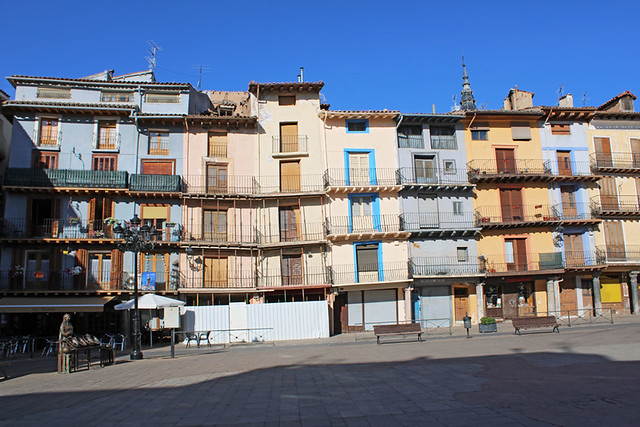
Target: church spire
point(467, 101)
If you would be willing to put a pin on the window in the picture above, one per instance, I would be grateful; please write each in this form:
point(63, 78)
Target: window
point(99, 269)
point(107, 138)
point(291, 266)
point(54, 93)
point(362, 214)
point(410, 137)
point(162, 98)
point(289, 224)
point(287, 100)
point(480, 132)
point(425, 169)
point(108, 96)
point(357, 126)
point(156, 267)
point(457, 208)
point(626, 104)
point(104, 162)
point(217, 144)
point(290, 176)
point(215, 272)
point(359, 169)
point(289, 140)
point(226, 110)
point(443, 137)
point(520, 131)
point(463, 254)
point(159, 143)
point(367, 263)
point(449, 166)
point(42, 160)
point(216, 178)
point(215, 226)
point(48, 132)
point(36, 268)
point(560, 129)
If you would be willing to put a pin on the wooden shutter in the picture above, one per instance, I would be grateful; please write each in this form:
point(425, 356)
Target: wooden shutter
point(217, 144)
point(289, 224)
point(569, 208)
point(290, 176)
point(511, 205)
point(116, 269)
point(520, 131)
point(564, 162)
point(635, 151)
point(615, 240)
point(291, 268)
point(157, 168)
point(608, 194)
point(573, 250)
point(215, 272)
point(505, 160)
point(288, 137)
point(603, 152)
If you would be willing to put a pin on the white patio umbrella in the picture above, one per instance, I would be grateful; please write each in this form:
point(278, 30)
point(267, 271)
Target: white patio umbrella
point(149, 302)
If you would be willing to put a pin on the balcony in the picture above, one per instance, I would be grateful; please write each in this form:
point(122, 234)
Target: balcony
point(547, 262)
point(584, 260)
point(60, 228)
point(153, 184)
point(383, 272)
point(220, 186)
point(410, 141)
point(619, 163)
point(240, 279)
point(443, 142)
point(364, 226)
point(616, 207)
point(438, 224)
point(106, 141)
point(204, 235)
point(621, 254)
point(290, 145)
point(69, 280)
point(62, 179)
point(49, 141)
point(443, 267)
point(434, 179)
point(309, 277)
point(499, 217)
point(491, 170)
point(289, 185)
point(303, 232)
point(362, 180)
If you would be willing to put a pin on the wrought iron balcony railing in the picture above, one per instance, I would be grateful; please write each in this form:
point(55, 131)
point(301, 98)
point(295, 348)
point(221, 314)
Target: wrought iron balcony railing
point(312, 276)
point(220, 234)
point(433, 176)
point(444, 266)
point(487, 216)
point(231, 279)
point(624, 205)
point(372, 273)
point(615, 162)
point(106, 141)
point(529, 262)
point(436, 220)
point(303, 232)
point(361, 177)
point(54, 228)
point(156, 183)
point(290, 144)
point(585, 258)
point(621, 254)
point(70, 279)
point(362, 224)
point(481, 169)
point(410, 141)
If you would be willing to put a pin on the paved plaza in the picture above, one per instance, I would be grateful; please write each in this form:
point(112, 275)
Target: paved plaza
point(584, 376)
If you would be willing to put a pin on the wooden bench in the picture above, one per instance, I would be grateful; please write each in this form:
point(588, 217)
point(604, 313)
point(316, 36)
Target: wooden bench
point(535, 322)
point(399, 329)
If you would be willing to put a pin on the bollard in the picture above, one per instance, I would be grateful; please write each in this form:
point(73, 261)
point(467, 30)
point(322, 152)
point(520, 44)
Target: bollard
point(173, 343)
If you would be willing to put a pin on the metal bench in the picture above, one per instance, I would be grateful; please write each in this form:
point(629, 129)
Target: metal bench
point(399, 329)
point(535, 322)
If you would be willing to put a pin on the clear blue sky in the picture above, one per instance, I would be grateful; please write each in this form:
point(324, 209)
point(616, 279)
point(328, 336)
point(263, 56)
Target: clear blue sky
point(371, 54)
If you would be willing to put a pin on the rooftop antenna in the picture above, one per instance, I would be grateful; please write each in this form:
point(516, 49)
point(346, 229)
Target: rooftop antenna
point(153, 50)
point(560, 91)
point(584, 99)
point(201, 68)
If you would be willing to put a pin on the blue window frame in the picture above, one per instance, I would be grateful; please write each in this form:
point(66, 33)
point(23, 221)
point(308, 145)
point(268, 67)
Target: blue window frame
point(354, 172)
point(364, 266)
point(357, 126)
point(364, 212)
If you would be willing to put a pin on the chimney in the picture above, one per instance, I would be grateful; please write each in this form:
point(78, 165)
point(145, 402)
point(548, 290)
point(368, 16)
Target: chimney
point(518, 99)
point(301, 74)
point(566, 101)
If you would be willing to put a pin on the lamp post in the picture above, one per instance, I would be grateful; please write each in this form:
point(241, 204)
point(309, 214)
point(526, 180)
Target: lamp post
point(136, 239)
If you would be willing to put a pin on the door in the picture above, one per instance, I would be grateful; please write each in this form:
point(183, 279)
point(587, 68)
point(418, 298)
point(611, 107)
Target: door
point(361, 214)
point(516, 254)
point(36, 272)
point(564, 162)
point(340, 314)
point(428, 216)
point(603, 152)
point(216, 179)
point(510, 301)
point(435, 306)
point(100, 208)
point(573, 250)
point(460, 303)
point(291, 267)
point(568, 295)
point(635, 152)
point(511, 205)
point(290, 176)
point(358, 169)
point(609, 194)
point(42, 220)
point(289, 224)
point(367, 263)
point(425, 169)
point(99, 276)
point(569, 207)
point(505, 160)
point(614, 240)
point(289, 138)
point(215, 272)
point(215, 226)
point(380, 307)
point(157, 265)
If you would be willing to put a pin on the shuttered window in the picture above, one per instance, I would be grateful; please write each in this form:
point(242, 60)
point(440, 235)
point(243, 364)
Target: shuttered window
point(159, 143)
point(560, 129)
point(520, 131)
point(287, 100)
point(54, 93)
point(217, 144)
point(157, 168)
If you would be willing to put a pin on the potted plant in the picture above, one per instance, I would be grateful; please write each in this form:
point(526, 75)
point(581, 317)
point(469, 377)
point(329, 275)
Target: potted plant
point(487, 324)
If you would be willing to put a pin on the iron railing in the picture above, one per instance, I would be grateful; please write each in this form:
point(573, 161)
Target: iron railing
point(55, 228)
point(431, 176)
point(443, 142)
point(216, 233)
point(524, 214)
point(621, 254)
point(616, 205)
point(302, 232)
point(531, 262)
point(69, 178)
point(584, 258)
point(381, 272)
point(290, 144)
point(362, 224)
point(443, 266)
point(106, 140)
point(290, 184)
point(221, 185)
point(310, 276)
point(235, 279)
point(156, 183)
point(615, 161)
point(361, 177)
point(518, 167)
point(71, 279)
point(436, 221)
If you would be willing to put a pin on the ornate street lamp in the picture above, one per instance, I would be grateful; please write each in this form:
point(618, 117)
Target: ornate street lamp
point(136, 239)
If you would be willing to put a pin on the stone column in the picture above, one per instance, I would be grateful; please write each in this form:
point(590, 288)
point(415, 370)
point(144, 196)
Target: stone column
point(407, 303)
point(597, 300)
point(480, 299)
point(633, 291)
point(552, 303)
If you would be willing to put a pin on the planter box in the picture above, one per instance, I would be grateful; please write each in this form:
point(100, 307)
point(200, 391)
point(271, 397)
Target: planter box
point(487, 328)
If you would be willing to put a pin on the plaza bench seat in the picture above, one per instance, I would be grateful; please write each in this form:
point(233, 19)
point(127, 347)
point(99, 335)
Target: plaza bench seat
point(399, 329)
point(535, 322)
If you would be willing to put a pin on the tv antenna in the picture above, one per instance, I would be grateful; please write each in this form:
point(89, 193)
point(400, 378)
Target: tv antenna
point(153, 50)
point(584, 99)
point(201, 68)
point(560, 91)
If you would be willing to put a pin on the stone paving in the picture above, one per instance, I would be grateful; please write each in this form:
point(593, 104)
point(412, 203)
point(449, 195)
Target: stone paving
point(583, 376)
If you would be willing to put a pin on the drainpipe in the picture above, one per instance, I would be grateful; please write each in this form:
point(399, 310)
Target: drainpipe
point(137, 160)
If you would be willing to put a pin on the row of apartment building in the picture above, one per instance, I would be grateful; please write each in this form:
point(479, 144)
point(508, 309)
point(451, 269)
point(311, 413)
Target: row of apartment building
point(269, 196)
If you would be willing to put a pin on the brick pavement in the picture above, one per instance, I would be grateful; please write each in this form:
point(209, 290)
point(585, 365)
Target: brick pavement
point(584, 376)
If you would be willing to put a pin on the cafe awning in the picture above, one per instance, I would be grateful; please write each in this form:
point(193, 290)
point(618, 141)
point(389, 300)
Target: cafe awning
point(53, 304)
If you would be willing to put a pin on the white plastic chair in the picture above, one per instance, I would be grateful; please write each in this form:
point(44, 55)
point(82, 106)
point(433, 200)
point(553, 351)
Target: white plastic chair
point(120, 340)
